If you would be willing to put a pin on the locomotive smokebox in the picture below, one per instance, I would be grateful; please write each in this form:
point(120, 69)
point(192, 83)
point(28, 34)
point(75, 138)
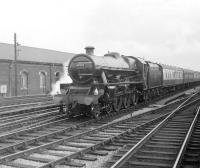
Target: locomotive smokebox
point(89, 50)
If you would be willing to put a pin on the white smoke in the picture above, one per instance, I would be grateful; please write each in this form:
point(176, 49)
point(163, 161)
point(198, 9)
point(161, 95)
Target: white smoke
point(65, 78)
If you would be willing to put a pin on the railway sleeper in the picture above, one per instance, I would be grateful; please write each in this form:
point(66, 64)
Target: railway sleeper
point(136, 164)
point(171, 134)
point(113, 131)
point(117, 156)
point(98, 152)
point(102, 135)
point(125, 141)
point(162, 148)
point(87, 141)
point(166, 137)
point(87, 158)
point(192, 156)
point(110, 162)
point(122, 141)
point(95, 138)
point(175, 129)
point(128, 138)
point(41, 158)
point(78, 145)
point(55, 153)
point(154, 159)
point(195, 145)
point(164, 142)
point(194, 148)
point(156, 153)
point(21, 163)
point(73, 164)
point(195, 140)
point(108, 148)
point(117, 144)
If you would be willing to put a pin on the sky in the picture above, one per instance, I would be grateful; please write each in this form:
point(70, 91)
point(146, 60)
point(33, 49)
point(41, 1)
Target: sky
point(163, 31)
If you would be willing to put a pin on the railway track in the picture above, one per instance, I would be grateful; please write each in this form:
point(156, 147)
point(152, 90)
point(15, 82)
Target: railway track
point(189, 155)
point(58, 143)
point(163, 146)
point(28, 117)
point(24, 106)
point(12, 103)
point(21, 119)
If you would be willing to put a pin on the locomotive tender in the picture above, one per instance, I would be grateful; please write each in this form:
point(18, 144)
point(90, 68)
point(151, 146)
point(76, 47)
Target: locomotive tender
point(102, 84)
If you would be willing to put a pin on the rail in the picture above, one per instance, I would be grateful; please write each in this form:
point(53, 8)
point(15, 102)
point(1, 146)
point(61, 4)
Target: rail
point(135, 148)
point(187, 138)
point(13, 148)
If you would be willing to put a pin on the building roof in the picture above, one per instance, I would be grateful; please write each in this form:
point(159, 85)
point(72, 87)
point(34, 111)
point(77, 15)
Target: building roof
point(25, 53)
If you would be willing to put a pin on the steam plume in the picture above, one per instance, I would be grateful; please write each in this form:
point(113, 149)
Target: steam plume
point(65, 78)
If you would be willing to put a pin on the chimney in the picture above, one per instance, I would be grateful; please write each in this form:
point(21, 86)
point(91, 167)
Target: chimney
point(89, 50)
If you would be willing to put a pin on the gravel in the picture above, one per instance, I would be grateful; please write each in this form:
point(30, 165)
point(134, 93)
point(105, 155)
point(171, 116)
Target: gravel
point(135, 113)
point(4, 166)
point(99, 163)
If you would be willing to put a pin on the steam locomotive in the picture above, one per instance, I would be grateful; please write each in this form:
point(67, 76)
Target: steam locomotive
point(102, 84)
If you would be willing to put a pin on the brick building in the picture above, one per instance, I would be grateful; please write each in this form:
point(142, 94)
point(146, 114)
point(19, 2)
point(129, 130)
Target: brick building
point(37, 69)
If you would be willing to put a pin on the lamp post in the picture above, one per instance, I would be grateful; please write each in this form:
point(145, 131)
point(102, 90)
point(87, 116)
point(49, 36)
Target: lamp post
point(15, 61)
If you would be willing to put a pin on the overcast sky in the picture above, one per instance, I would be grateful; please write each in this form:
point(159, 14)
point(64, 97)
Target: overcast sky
point(166, 31)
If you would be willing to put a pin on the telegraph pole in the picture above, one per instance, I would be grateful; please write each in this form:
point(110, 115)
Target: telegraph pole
point(15, 61)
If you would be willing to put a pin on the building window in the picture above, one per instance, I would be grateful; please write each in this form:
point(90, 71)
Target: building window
point(42, 80)
point(57, 74)
point(24, 80)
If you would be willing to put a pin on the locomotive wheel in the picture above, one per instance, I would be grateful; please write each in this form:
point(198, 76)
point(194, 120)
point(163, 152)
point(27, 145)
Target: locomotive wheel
point(154, 93)
point(108, 108)
point(132, 99)
point(95, 111)
point(69, 111)
point(126, 101)
point(117, 104)
point(146, 97)
point(63, 109)
point(158, 92)
point(129, 100)
point(136, 99)
point(70, 114)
